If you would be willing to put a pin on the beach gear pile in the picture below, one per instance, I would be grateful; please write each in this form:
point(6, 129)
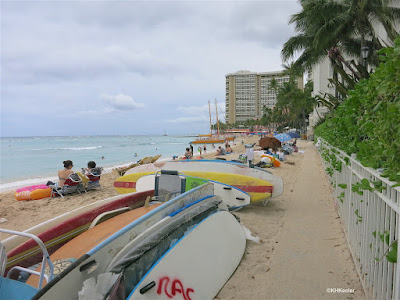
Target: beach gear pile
point(276, 148)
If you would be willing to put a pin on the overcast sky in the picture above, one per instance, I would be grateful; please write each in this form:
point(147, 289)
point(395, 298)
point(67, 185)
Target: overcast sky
point(125, 67)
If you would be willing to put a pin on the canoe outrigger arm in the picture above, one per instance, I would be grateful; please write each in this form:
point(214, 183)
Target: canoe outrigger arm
point(45, 259)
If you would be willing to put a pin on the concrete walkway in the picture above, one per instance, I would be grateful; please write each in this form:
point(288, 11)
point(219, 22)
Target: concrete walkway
point(312, 254)
point(305, 254)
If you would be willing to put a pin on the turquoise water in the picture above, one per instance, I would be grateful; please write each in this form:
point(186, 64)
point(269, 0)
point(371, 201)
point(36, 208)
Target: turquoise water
point(31, 159)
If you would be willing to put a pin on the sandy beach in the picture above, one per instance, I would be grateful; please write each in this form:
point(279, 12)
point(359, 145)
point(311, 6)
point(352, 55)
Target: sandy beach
point(302, 253)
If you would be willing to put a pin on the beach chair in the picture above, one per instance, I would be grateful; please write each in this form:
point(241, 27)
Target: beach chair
point(154, 159)
point(94, 179)
point(72, 184)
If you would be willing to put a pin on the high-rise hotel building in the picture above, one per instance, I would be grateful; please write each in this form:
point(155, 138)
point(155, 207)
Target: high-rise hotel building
point(248, 92)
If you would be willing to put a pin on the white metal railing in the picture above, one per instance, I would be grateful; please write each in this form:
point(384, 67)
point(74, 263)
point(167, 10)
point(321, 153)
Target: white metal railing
point(45, 259)
point(371, 221)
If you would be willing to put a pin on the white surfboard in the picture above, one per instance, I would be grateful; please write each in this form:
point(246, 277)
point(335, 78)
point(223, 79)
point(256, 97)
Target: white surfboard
point(199, 264)
point(162, 223)
point(233, 197)
point(146, 183)
point(97, 260)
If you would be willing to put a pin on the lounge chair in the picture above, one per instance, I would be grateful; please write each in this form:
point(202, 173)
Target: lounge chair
point(154, 159)
point(72, 184)
point(94, 179)
point(147, 160)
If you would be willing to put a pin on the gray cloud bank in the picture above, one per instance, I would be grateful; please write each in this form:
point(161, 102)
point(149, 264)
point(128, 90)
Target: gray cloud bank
point(144, 60)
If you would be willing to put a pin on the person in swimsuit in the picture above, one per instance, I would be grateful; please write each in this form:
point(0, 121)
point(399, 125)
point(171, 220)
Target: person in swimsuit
point(63, 174)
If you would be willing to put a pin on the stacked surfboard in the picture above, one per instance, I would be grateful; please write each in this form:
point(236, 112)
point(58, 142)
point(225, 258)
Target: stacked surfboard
point(151, 252)
point(259, 184)
point(56, 232)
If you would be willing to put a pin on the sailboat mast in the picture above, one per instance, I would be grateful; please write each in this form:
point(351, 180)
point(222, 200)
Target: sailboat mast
point(209, 110)
point(216, 110)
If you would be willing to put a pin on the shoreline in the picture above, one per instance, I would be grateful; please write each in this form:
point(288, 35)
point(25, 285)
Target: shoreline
point(42, 179)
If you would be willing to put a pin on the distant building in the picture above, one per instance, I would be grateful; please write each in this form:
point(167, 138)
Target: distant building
point(248, 92)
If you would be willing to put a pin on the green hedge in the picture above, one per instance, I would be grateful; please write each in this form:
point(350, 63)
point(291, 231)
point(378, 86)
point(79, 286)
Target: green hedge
point(368, 122)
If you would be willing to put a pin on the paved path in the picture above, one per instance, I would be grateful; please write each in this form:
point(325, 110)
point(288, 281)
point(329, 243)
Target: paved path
point(312, 254)
point(303, 251)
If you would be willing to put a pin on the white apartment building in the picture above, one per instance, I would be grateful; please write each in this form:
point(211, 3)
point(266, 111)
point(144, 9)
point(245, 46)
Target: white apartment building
point(248, 92)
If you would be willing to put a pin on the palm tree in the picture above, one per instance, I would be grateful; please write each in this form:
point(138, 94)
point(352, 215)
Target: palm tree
point(344, 25)
point(273, 85)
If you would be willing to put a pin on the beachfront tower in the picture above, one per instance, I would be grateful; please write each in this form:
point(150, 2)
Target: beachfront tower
point(248, 92)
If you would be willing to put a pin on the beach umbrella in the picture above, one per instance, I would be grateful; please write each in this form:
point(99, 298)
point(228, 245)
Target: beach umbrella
point(294, 135)
point(283, 137)
point(269, 142)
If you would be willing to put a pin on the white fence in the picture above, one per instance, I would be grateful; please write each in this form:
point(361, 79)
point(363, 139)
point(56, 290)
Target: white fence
point(369, 211)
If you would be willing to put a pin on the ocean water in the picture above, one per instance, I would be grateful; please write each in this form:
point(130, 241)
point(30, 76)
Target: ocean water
point(32, 160)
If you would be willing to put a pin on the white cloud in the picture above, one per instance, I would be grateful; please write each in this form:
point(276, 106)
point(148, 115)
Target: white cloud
point(122, 102)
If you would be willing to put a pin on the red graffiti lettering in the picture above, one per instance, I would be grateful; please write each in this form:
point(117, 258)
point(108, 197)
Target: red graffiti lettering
point(189, 290)
point(160, 284)
point(171, 290)
point(175, 289)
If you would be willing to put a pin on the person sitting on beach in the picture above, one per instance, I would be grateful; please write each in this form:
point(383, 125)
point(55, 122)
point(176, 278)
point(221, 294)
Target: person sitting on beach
point(63, 174)
point(220, 151)
point(90, 165)
point(188, 153)
point(229, 149)
point(91, 168)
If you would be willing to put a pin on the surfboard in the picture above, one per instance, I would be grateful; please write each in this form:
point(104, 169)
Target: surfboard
point(28, 253)
point(184, 270)
point(156, 227)
point(214, 166)
point(233, 197)
point(95, 261)
point(14, 241)
point(86, 241)
point(257, 188)
point(226, 167)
